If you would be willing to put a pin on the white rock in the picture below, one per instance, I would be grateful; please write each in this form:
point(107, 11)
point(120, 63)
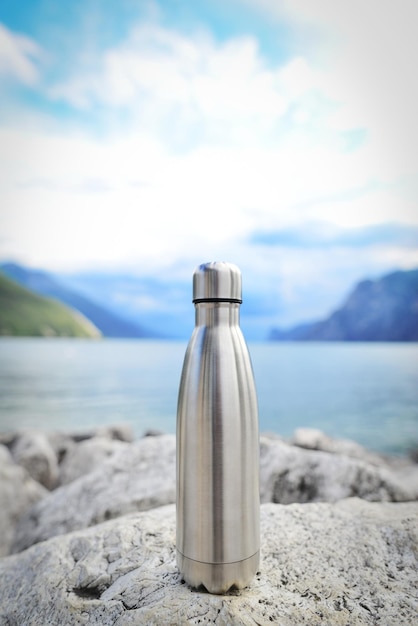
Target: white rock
point(293, 474)
point(136, 478)
point(18, 491)
point(141, 476)
point(119, 432)
point(64, 442)
point(314, 439)
point(33, 451)
point(87, 455)
point(349, 563)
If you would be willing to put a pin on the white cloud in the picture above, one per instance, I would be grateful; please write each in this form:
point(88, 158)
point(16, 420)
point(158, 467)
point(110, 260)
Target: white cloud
point(218, 143)
point(17, 57)
point(374, 207)
point(217, 90)
point(368, 65)
point(72, 200)
point(191, 91)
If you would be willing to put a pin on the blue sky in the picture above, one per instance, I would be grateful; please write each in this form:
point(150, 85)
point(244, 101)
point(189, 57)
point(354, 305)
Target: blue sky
point(148, 137)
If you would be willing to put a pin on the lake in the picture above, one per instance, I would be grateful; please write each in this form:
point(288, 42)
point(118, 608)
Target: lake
point(366, 392)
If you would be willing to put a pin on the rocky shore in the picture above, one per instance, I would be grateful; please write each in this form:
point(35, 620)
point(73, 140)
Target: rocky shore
point(87, 534)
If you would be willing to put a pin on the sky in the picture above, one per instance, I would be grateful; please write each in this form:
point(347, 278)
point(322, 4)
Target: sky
point(151, 136)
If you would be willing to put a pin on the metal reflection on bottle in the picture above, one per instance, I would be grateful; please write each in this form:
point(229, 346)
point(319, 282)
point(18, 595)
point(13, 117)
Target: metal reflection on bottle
point(218, 502)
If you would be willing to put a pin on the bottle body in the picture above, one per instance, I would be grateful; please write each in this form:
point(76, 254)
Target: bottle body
point(218, 502)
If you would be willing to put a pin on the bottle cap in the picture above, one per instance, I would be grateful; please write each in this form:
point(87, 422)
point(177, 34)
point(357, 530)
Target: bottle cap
point(217, 281)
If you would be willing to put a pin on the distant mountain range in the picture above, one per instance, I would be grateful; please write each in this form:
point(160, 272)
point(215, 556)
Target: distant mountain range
point(43, 283)
point(381, 310)
point(376, 310)
point(24, 313)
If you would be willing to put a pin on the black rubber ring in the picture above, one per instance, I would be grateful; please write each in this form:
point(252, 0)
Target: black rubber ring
point(233, 300)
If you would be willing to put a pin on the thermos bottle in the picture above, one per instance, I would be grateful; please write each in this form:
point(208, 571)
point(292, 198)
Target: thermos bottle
point(218, 504)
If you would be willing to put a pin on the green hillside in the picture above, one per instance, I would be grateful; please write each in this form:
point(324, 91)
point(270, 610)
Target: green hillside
point(24, 313)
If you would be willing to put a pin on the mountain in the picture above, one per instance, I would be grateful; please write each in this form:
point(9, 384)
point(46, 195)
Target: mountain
point(23, 313)
point(381, 310)
point(162, 302)
point(43, 283)
point(143, 304)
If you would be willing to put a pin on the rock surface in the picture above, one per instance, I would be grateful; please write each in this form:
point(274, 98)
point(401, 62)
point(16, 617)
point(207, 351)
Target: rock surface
point(18, 491)
point(62, 442)
point(141, 476)
point(138, 477)
point(314, 439)
point(34, 452)
point(348, 563)
point(293, 474)
point(87, 456)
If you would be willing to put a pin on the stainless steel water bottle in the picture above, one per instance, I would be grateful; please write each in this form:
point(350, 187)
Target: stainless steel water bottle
point(218, 505)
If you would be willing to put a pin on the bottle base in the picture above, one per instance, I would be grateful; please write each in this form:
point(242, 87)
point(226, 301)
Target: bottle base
point(218, 578)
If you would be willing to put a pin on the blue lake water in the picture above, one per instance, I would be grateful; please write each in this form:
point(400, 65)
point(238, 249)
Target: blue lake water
point(366, 392)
